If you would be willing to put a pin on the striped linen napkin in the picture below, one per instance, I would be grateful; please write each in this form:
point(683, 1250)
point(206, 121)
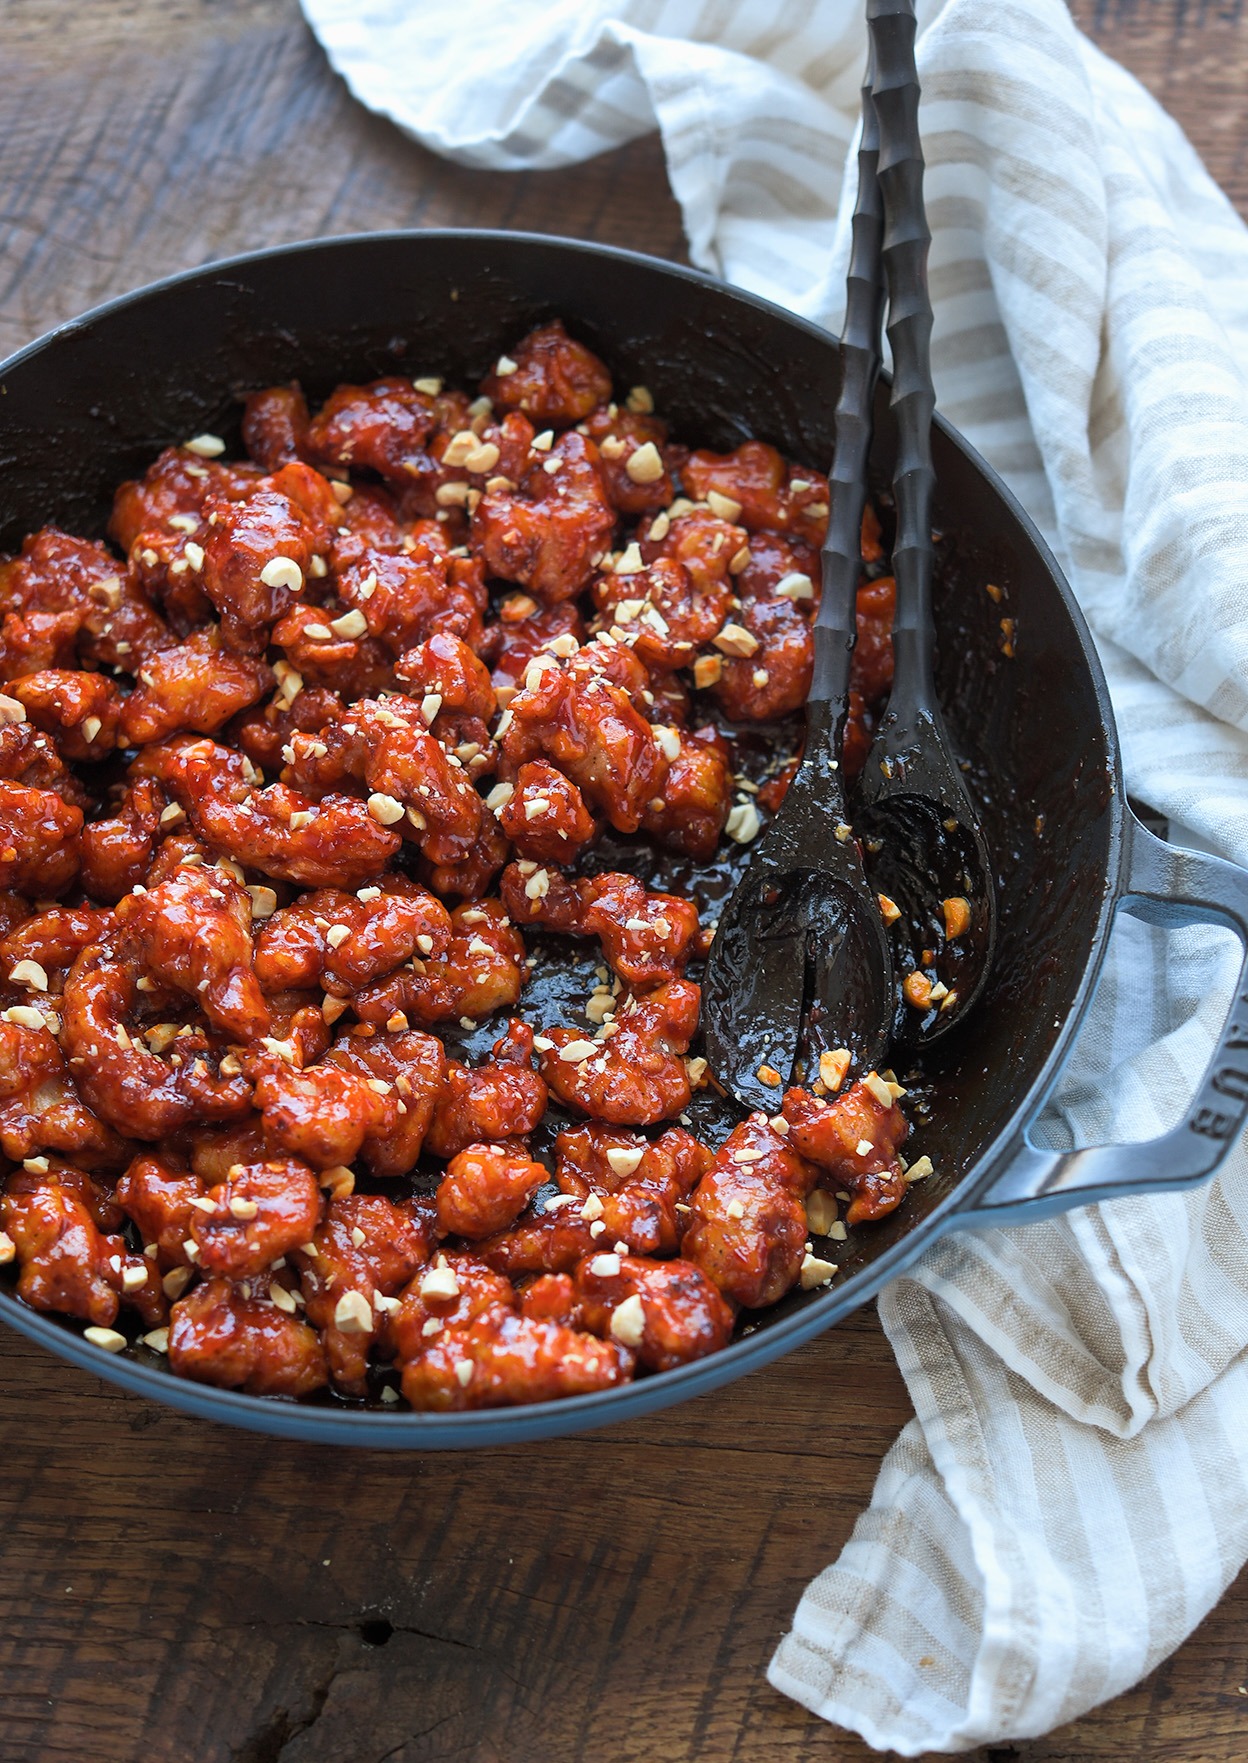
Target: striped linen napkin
point(1073, 1494)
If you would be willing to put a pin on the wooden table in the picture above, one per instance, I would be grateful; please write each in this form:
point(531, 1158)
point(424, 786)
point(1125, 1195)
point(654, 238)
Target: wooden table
point(175, 1591)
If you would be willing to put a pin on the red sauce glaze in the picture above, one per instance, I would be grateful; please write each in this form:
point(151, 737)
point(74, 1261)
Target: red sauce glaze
point(485, 1187)
point(747, 1228)
point(853, 1139)
point(668, 1312)
point(297, 769)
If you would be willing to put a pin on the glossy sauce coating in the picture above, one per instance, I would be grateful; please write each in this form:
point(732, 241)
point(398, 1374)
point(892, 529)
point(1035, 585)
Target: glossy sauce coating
point(297, 771)
point(853, 1139)
point(669, 1312)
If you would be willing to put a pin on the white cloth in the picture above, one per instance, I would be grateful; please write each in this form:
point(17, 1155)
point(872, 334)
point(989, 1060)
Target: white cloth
point(1071, 1498)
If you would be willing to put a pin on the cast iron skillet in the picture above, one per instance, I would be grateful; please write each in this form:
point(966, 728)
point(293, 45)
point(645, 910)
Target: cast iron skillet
point(94, 402)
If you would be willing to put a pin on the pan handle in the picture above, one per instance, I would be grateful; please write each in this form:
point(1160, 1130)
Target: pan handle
point(1166, 886)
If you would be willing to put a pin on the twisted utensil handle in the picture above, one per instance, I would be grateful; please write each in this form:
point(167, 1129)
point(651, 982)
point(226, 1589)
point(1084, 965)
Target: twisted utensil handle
point(835, 627)
point(904, 255)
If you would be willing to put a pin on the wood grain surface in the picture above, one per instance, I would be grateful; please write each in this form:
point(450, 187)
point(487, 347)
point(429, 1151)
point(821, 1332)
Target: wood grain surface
point(174, 1591)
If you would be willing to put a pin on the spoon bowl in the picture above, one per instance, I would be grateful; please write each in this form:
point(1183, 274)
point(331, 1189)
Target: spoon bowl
point(801, 964)
point(930, 867)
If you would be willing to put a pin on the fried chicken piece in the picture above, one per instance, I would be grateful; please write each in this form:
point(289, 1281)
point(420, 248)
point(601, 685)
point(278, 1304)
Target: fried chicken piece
point(138, 1093)
point(485, 1188)
point(638, 1075)
point(545, 816)
point(549, 376)
point(646, 937)
point(39, 842)
point(40, 1106)
point(343, 941)
point(637, 464)
point(258, 551)
point(193, 932)
point(640, 1186)
point(512, 1360)
point(234, 1336)
point(481, 972)
point(363, 1252)
point(502, 1099)
point(159, 1195)
point(747, 1228)
point(196, 685)
point(117, 851)
point(405, 1070)
point(667, 1312)
point(258, 1213)
point(80, 711)
point(67, 1263)
point(275, 426)
point(768, 491)
point(853, 1138)
point(378, 426)
point(581, 716)
point(549, 533)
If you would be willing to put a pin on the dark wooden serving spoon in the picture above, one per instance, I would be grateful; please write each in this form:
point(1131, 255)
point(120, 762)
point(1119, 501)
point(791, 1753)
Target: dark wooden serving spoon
point(802, 964)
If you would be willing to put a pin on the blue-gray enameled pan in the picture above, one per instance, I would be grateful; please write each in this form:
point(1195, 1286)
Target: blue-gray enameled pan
point(94, 401)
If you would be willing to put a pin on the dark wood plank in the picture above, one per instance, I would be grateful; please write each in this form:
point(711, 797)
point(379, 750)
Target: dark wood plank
point(168, 1580)
point(1193, 57)
point(152, 140)
point(175, 1590)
